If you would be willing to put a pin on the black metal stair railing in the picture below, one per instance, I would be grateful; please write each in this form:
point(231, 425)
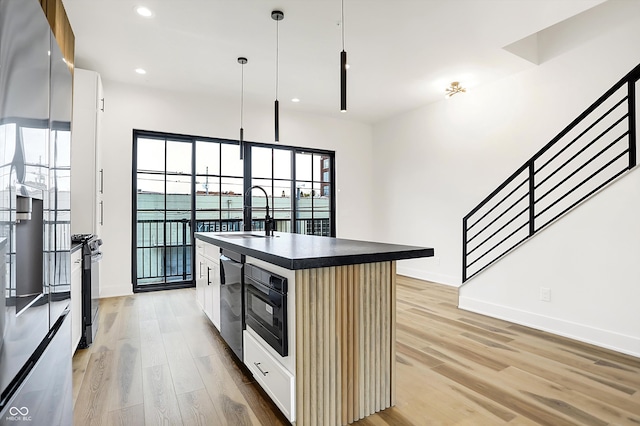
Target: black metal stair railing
point(592, 151)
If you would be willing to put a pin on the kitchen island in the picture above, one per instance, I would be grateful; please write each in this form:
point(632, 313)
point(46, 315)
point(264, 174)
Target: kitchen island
point(341, 322)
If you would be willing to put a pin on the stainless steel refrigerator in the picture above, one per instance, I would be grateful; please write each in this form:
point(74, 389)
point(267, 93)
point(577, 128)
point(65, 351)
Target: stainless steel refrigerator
point(35, 115)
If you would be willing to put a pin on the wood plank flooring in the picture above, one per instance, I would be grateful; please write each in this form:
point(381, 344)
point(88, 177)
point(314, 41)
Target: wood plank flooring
point(157, 360)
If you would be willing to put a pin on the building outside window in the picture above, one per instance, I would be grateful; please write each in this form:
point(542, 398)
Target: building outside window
point(326, 170)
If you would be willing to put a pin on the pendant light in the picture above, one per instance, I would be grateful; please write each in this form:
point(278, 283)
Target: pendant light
point(343, 69)
point(277, 16)
point(242, 61)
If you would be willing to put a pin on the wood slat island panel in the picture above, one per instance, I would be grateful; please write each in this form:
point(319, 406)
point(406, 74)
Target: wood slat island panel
point(345, 342)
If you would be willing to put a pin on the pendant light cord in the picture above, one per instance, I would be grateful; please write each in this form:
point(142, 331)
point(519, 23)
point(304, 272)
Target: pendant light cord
point(277, 53)
point(242, 97)
point(342, 24)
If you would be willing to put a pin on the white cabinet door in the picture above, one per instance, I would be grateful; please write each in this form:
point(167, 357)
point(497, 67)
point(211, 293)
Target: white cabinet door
point(208, 289)
point(208, 280)
point(272, 376)
point(86, 180)
point(201, 279)
point(98, 169)
point(76, 299)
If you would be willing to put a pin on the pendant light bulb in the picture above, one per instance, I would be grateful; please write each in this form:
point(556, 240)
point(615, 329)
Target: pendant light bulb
point(277, 16)
point(242, 61)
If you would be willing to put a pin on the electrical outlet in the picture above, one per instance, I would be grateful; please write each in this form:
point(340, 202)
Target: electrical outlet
point(545, 294)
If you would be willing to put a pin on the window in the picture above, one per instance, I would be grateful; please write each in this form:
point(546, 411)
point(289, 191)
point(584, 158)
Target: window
point(313, 205)
point(271, 170)
point(163, 205)
point(187, 184)
point(218, 187)
point(301, 200)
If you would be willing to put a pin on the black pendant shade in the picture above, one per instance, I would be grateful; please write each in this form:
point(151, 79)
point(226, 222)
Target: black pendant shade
point(343, 81)
point(276, 114)
point(241, 143)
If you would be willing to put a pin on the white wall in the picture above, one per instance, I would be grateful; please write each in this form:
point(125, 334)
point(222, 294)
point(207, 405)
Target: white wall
point(588, 260)
point(434, 164)
point(441, 160)
point(135, 107)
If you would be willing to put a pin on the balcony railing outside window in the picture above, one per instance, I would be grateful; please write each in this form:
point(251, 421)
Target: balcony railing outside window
point(185, 184)
point(157, 259)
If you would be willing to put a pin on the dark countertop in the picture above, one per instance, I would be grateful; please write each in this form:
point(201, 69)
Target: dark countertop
point(75, 246)
point(295, 251)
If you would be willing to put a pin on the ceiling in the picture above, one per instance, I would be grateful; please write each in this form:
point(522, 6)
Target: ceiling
point(402, 53)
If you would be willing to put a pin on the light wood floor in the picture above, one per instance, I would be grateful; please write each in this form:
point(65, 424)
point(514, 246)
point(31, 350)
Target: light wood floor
point(157, 360)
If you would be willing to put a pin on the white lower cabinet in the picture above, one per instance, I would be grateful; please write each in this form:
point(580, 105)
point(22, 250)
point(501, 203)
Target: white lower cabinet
point(274, 378)
point(201, 278)
point(208, 282)
point(76, 299)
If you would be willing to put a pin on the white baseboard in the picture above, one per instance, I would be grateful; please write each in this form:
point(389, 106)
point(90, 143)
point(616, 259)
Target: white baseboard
point(427, 276)
point(115, 291)
point(604, 338)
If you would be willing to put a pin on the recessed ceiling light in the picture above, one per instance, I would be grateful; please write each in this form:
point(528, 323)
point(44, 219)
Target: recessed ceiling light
point(295, 100)
point(141, 71)
point(143, 11)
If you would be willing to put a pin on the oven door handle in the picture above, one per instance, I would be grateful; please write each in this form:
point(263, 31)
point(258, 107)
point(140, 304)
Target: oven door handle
point(258, 286)
point(263, 292)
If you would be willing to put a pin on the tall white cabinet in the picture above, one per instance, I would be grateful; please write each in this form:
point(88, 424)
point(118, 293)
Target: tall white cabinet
point(87, 177)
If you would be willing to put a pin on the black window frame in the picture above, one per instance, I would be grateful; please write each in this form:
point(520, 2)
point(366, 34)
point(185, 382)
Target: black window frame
point(247, 183)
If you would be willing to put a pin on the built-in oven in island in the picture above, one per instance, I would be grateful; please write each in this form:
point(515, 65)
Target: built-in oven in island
point(266, 306)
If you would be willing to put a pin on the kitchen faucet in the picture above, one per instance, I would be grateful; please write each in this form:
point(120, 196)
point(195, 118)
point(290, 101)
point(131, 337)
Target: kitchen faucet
point(269, 223)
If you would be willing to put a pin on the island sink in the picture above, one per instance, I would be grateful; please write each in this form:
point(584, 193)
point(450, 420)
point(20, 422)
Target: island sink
point(232, 236)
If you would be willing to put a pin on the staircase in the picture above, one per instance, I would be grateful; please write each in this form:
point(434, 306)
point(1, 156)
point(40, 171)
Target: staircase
point(598, 147)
